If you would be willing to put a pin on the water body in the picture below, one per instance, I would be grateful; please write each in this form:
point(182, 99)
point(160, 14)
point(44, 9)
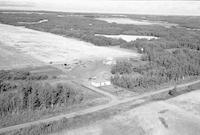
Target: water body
point(136, 22)
point(127, 38)
point(41, 21)
point(124, 21)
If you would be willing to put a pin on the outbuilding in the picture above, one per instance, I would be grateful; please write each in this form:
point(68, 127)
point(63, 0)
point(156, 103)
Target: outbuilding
point(100, 84)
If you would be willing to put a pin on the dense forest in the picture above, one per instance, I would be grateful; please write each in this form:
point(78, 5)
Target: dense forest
point(22, 91)
point(165, 61)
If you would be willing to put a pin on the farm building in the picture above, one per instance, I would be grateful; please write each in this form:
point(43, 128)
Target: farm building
point(100, 84)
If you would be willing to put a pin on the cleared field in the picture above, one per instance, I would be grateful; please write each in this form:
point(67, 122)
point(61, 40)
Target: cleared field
point(189, 102)
point(11, 58)
point(88, 70)
point(120, 93)
point(48, 47)
point(157, 118)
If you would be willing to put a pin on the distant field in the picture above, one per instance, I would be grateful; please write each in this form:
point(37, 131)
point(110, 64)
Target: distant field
point(12, 58)
point(47, 48)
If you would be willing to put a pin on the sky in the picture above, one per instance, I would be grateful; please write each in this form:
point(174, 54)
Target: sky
point(155, 7)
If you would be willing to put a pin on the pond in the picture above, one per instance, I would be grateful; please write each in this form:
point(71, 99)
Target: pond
point(41, 21)
point(121, 20)
point(127, 38)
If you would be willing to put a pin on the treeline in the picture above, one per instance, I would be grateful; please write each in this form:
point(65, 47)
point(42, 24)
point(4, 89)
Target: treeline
point(36, 96)
point(9, 79)
point(102, 41)
point(20, 75)
point(163, 43)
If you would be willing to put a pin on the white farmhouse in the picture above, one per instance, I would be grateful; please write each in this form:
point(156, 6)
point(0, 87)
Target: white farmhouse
point(100, 84)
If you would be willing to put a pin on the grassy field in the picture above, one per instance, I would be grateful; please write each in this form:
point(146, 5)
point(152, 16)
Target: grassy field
point(12, 58)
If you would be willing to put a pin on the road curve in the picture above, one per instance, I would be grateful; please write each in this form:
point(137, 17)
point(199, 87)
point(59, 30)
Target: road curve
point(92, 109)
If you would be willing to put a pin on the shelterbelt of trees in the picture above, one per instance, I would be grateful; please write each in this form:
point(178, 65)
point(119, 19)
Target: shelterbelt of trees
point(166, 60)
point(21, 91)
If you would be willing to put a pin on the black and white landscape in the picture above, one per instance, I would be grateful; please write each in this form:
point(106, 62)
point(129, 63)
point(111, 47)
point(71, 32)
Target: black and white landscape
point(89, 67)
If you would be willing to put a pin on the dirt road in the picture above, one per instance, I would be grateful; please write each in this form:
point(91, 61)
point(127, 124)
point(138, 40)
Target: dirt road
point(92, 109)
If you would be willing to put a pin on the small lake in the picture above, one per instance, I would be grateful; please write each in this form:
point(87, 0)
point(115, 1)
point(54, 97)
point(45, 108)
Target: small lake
point(41, 21)
point(136, 22)
point(127, 38)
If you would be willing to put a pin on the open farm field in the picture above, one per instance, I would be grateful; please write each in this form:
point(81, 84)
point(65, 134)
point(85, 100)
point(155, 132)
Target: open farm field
point(49, 48)
point(11, 58)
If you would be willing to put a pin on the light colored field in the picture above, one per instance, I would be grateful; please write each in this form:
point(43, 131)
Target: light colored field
point(12, 58)
point(48, 47)
point(157, 118)
point(127, 38)
point(189, 102)
point(90, 69)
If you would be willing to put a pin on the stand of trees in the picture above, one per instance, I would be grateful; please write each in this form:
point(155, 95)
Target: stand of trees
point(37, 96)
point(164, 63)
point(12, 75)
point(22, 91)
point(9, 79)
